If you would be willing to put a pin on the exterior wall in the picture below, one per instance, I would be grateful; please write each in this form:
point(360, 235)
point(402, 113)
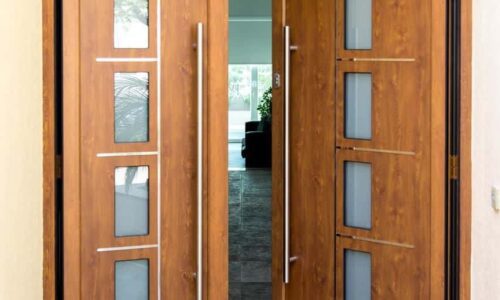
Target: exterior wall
point(485, 149)
point(20, 149)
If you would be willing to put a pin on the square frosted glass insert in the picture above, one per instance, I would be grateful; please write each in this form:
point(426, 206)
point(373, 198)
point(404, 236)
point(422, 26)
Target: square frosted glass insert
point(358, 195)
point(131, 201)
point(131, 107)
point(131, 28)
point(358, 24)
point(357, 275)
point(132, 279)
point(358, 106)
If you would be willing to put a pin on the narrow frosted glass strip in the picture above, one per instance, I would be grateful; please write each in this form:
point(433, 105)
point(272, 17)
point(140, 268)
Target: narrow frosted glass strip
point(357, 195)
point(131, 28)
point(131, 107)
point(358, 106)
point(131, 201)
point(132, 279)
point(357, 276)
point(358, 24)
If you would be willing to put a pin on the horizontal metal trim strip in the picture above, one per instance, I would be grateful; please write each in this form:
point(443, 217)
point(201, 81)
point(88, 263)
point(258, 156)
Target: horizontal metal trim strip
point(123, 154)
point(126, 59)
point(125, 248)
point(375, 241)
point(387, 151)
point(376, 59)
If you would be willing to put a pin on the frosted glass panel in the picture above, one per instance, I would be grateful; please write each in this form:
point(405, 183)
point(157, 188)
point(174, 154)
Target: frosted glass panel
point(358, 106)
point(131, 107)
point(357, 276)
point(131, 201)
point(132, 279)
point(358, 24)
point(358, 195)
point(131, 28)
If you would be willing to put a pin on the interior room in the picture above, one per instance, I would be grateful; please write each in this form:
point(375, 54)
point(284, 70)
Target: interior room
point(249, 148)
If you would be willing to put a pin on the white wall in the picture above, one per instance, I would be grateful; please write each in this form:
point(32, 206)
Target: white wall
point(250, 42)
point(485, 149)
point(20, 150)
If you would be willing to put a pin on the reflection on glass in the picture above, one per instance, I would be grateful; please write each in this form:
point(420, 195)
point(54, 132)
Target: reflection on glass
point(357, 195)
point(131, 107)
point(358, 24)
point(357, 275)
point(132, 279)
point(131, 201)
point(131, 24)
point(358, 106)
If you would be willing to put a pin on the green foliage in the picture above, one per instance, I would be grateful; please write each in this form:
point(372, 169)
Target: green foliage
point(265, 105)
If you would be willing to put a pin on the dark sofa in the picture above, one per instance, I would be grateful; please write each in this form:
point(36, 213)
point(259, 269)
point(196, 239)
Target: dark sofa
point(256, 147)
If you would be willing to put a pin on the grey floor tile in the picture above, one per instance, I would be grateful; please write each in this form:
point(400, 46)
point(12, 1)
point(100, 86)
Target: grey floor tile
point(235, 271)
point(255, 271)
point(234, 291)
point(234, 214)
point(254, 253)
point(255, 223)
point(256, 291)
point(234, 252)
point(255, 237)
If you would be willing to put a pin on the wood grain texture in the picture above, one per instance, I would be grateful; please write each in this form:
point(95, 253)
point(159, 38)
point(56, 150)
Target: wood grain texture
point(438, 149)
point(465, 150)
point(407, 115)
point(278, 288)
point(312, 148)
point(217, 159)
point(393, 101)
point(71, 146)
point(49, 164)
point(178, 144)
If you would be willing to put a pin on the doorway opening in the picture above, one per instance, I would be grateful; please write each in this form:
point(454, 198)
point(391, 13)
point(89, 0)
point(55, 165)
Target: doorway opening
point(249, 148)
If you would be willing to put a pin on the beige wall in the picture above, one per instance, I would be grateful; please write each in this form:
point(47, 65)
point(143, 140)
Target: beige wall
point(485, 149)
point(20, 150)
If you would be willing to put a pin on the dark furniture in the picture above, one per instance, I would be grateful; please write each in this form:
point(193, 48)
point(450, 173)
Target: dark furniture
point(256, 146)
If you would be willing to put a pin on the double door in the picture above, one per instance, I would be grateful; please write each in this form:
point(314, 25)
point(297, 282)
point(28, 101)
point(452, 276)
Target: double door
point(356, 207)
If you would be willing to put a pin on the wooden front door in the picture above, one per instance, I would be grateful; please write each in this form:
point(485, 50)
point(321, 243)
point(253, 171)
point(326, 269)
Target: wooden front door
point(137, 102)
point(361, 212)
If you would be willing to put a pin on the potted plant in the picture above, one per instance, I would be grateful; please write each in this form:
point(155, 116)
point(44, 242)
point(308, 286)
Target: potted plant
point(265, 106)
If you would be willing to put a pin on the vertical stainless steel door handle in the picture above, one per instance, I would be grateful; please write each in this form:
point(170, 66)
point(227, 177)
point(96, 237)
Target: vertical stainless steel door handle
point(287, 156)
point(199, 246)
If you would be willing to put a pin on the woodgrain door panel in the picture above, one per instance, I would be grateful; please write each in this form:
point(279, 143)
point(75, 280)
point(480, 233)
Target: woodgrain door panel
point(398, 202)
point(399, 29)
point(99, 115)
point(394, 273)
point(103, 286)
point(404, 103)
point(98, 20)
point(398, 106)
point(115, 110)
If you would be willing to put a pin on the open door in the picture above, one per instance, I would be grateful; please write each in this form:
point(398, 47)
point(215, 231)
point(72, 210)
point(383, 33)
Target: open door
point(358, 174)
point(139, 156)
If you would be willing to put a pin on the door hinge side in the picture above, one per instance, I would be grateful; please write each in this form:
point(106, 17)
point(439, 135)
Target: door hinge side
point(58, 166)
point(454, 167)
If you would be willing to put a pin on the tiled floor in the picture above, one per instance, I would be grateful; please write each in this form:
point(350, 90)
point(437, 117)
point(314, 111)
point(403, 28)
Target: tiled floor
point(250, 234)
